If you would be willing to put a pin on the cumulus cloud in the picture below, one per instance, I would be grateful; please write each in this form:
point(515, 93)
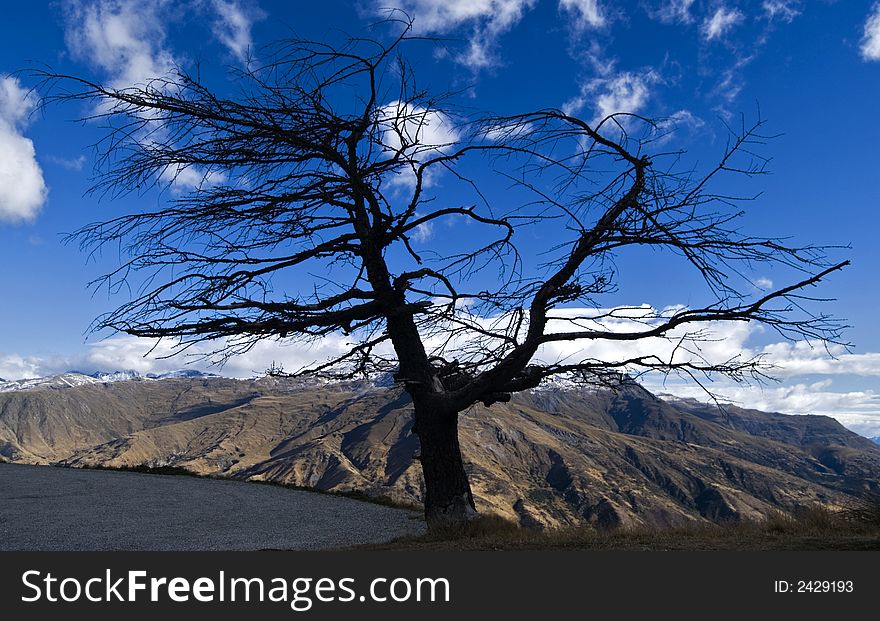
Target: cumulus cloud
point(859, 410)
point(128, 39)
point(412, 129)
point(414, 132)
point(486, 19)
point(149, 356)
point(125, 352)
point(622, 92)
point(793, 363)
point(23, 190)
point(719, 343)
point(715, 343)
point(808, 374)
point(188, 178)
point(871, 39)
point(712, 342)
point(13, 367)
point(721, 22)
point(812, 358)
point(125, 38)
point(232, 25)
point(16, 102)
point(586, 13)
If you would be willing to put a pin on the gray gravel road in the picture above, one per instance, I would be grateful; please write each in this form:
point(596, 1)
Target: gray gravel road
point(47, 508)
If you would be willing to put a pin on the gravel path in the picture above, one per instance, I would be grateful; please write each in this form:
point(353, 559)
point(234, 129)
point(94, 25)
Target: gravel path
point(46, 508)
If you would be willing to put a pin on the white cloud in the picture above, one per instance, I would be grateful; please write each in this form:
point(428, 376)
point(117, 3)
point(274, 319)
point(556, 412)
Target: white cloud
point(764, 283)
point(871, 40)
point(674, 11)
point(413, 129)
point(423, 232)
point(128, 38)
point(23, 190)
point(857, 408)
point(188, 178)
point(434, 16)
point(125, 352)
point(232, 26)
point(793, 362)
point(730, 82)
point(587, 13)
point(678, 123)
point(622, 92)
point(713, 342)
point(811, 358)
point(128, 352)
point(16, 102)
point(487, 20)
point(125, 38)
point(414, 132)
point(13, 367)
point(70, 163)
point(786, 10)
point(721, 22)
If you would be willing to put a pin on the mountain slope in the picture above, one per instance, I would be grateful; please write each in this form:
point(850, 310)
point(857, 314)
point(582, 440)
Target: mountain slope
point(550, 457)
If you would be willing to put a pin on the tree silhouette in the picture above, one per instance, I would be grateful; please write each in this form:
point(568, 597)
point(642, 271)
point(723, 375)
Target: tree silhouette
point(328, 169)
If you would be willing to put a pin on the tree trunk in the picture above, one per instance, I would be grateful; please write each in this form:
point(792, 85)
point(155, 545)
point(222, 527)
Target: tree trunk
point(448, 498)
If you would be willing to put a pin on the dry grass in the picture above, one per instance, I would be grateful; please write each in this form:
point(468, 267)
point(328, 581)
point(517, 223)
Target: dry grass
point(810, 529)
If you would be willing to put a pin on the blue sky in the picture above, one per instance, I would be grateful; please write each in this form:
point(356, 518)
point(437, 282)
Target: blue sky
point(812, 68)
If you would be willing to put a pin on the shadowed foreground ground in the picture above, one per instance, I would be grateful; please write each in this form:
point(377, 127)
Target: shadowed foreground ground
point(46, 508)
point(816, 529)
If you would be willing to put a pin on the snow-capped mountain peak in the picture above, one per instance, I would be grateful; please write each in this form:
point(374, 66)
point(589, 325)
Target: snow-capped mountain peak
point(116, 376)
point(181, 373)
point(64, 380)
point(75, 378)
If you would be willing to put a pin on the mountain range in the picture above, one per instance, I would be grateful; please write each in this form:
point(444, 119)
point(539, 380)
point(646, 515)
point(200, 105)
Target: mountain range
point(75, 378)
point(553, 456)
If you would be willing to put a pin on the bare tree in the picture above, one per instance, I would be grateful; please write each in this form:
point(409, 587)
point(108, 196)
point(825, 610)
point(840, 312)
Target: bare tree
point(298, 210)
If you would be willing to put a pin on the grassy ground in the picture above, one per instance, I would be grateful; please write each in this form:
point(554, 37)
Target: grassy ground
point(818, 529)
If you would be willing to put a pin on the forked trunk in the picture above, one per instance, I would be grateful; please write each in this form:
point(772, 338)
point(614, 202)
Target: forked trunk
point(448, 498)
